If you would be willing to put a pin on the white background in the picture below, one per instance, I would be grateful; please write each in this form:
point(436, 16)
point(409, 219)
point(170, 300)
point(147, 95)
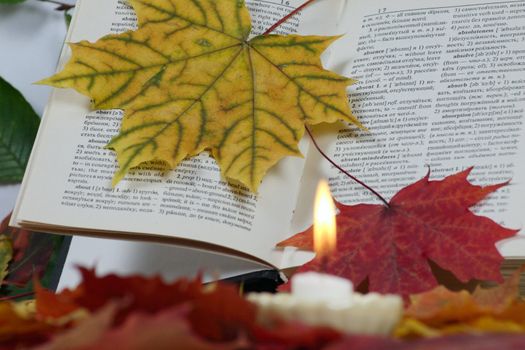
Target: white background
point(31, 36)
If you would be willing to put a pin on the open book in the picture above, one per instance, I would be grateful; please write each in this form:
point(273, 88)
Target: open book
point(440, 85)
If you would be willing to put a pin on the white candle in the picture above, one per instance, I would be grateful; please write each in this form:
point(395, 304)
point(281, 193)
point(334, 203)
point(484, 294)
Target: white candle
point(322, 288)
point(327, 300)
point(366, 314)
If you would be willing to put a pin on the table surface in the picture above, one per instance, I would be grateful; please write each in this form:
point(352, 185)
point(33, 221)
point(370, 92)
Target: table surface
point(31, 37)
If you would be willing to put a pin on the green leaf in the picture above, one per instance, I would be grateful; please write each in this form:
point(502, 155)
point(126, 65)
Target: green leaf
point(6, 253)
point(10, 1)
point(67, 18)
point(18, 127)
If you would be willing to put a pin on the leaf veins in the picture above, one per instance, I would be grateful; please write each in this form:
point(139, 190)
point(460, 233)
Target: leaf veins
point(189, 80)
point(427, 220)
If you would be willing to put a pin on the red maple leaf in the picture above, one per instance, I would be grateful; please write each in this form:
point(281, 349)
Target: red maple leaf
point(428, 220)
point(167, 329)
point(215, 313)
point(219, 313)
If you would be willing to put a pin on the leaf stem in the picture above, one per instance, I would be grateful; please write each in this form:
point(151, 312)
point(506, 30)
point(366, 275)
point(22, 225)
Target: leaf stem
point(285, 18)
point(344, 171)
point(16, 284)
point(62, 6)
point(13, 297)
point(268, 31)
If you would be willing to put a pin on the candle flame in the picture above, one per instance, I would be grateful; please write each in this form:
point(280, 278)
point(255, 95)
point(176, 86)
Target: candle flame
point(324, 221)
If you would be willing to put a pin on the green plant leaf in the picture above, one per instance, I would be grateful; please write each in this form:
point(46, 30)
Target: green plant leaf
point(11, 1)
point(67, 18)
point(18, 127)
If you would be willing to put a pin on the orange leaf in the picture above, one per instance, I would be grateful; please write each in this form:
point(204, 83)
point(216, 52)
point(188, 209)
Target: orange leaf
point(219, 313)
point(441, 306)
point(500, 298)
point(17, 330)
point(441, 311)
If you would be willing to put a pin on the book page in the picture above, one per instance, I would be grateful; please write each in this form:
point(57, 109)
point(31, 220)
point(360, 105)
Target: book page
point(441, 86)
point(69, 186)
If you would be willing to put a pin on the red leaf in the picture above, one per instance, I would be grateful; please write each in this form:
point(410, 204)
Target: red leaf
point(32, 252)
point(222, 314)
point(144, 294)
point(51, 305)
point(428, 220)
point(218, 312)
point(365, 342)
point(294, 335)
point(167, 329)
point(87, 332)
point(17, 332)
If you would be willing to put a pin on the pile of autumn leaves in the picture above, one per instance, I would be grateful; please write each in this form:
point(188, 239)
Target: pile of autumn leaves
point(147, 313)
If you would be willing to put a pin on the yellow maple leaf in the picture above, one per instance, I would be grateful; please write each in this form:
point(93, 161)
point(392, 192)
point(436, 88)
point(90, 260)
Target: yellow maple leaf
point(190, 79)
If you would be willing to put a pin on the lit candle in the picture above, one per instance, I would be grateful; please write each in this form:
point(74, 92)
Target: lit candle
point(327, 300)
point(325, 230)
point(321, 287)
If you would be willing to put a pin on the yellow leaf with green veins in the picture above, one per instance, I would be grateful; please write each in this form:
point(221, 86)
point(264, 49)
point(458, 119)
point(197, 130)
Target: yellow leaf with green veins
point(189, 79)
point(6, 254)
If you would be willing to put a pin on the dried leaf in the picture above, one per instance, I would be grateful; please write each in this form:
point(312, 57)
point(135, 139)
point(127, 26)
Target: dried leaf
point(441, 307)
point(142, 294)
point(439, 311)
point(500, 298)
point(411, 328)
point(457, 342)
point(168, 329)
point(15, 329)
point(90, 330)
point(218, 314)
point(391, 246)
point(60, 308)
point(469, 342)
point(34, 256)
point(222, 314)
point(188, 315)
point(294, 335)
point(189, 79)
point(366, 342)
point(6, 254)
